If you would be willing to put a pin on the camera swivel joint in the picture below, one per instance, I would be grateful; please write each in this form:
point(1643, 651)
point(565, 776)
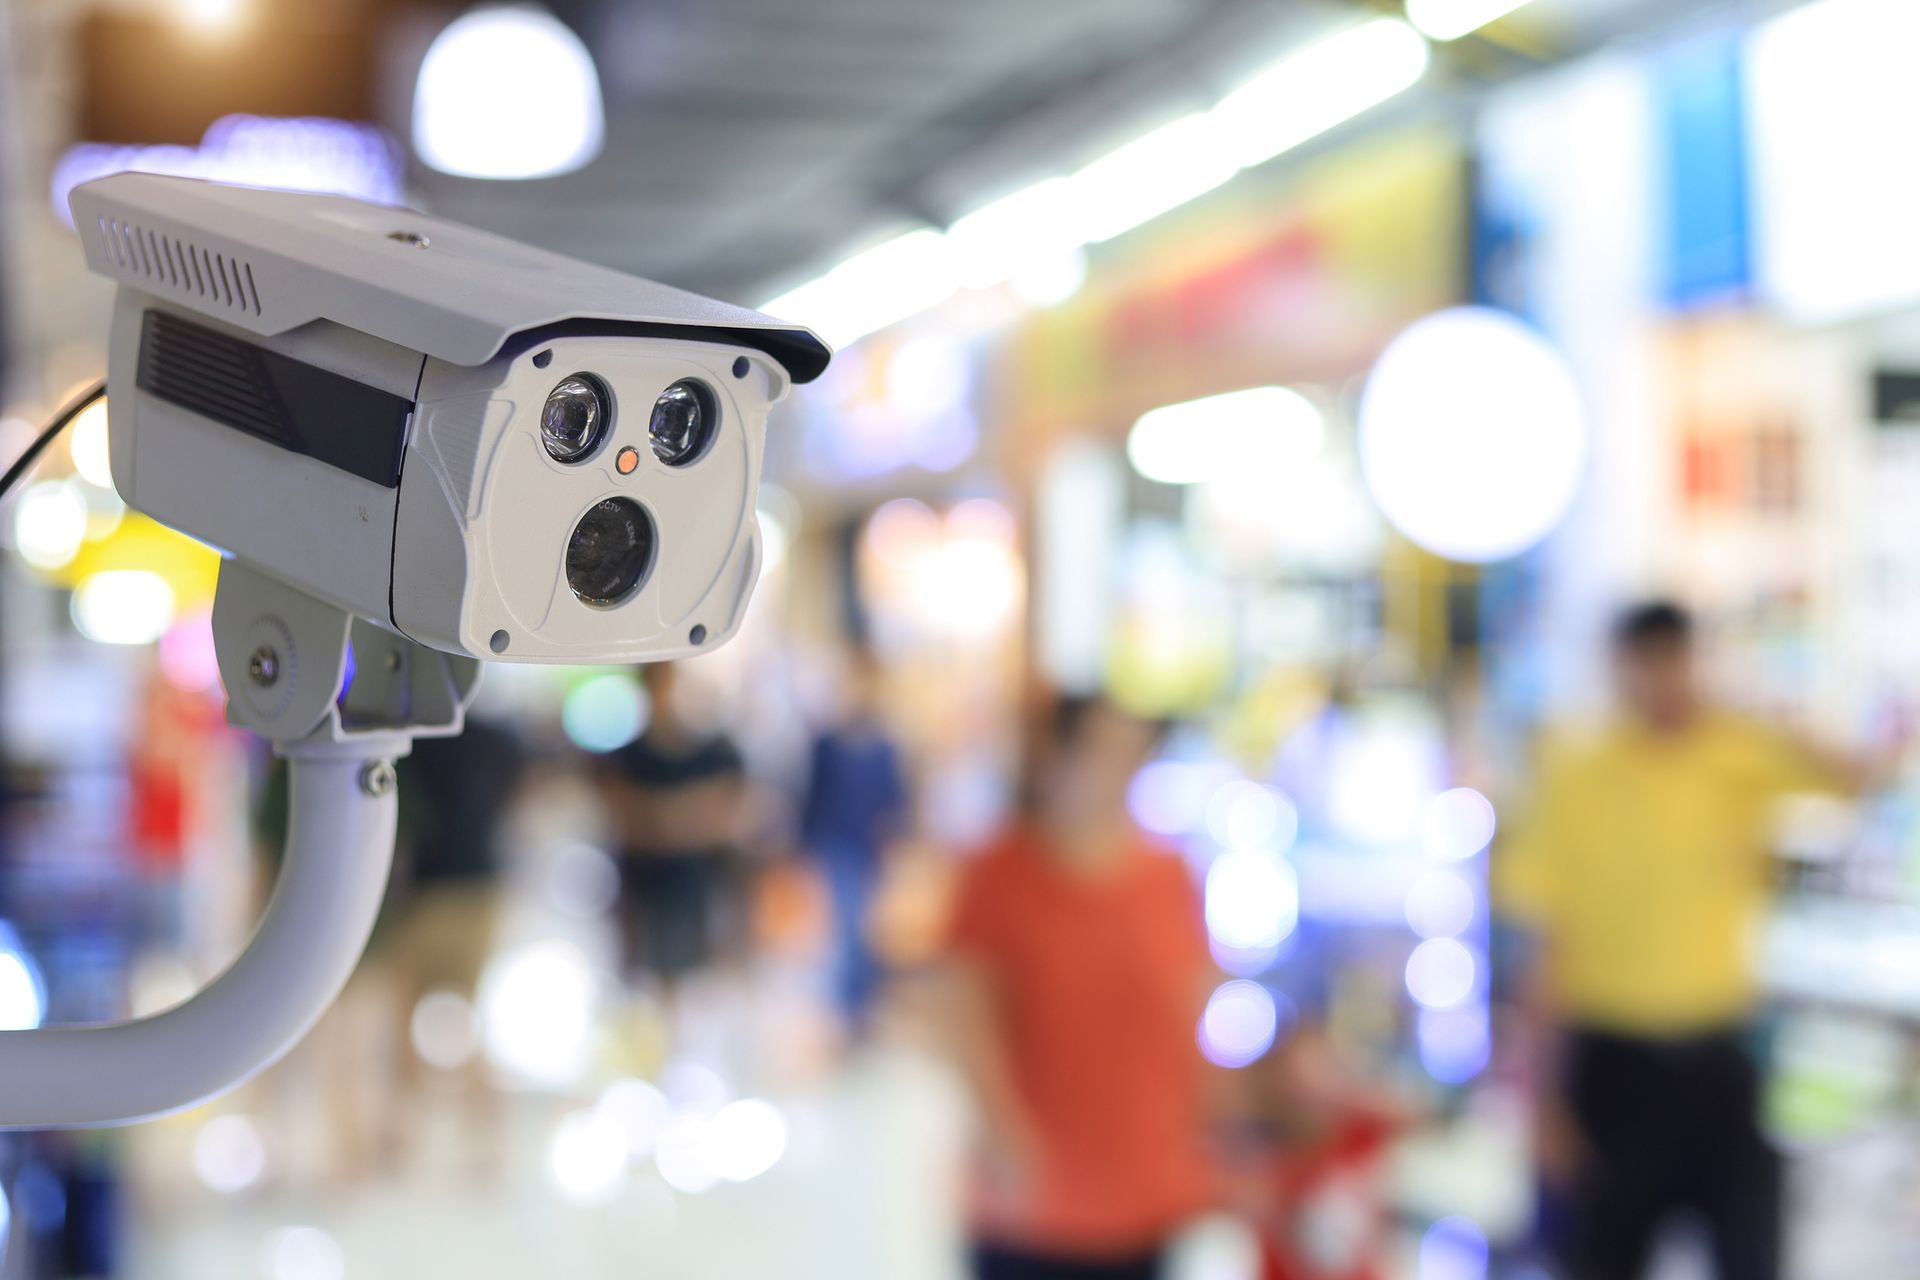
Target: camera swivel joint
point(340, 699)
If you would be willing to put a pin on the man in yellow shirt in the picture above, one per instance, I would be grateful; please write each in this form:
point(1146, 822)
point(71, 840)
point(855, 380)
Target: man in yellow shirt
point(1644, 874)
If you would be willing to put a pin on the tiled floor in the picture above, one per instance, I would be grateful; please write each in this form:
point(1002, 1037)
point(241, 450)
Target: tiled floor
point(862, 1191)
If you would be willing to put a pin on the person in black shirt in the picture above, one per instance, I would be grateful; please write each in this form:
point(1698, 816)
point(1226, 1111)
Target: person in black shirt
point(676, 796)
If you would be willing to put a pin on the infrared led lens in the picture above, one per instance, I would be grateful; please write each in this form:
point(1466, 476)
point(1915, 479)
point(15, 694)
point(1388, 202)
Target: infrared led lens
point(575, 418)
point(683, 423)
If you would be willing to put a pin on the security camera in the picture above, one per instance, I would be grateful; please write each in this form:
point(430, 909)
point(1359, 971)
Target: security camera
point(491, 449)
point(420, 447)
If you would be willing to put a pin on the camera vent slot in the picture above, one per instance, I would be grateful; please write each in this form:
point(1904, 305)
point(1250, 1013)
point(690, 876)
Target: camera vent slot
point(180, 265)
point(288, 403)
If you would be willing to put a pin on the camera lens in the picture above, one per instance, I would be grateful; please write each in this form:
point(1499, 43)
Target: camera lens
point(683, 423)
point(610, 552)
point(575, 419)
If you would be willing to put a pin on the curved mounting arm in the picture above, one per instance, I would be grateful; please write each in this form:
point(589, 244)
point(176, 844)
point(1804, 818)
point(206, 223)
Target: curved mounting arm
point(339, 848)
point(288, 662)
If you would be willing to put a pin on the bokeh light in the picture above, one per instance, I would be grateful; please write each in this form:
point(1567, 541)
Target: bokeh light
point(1383, 778)
point(444, 1030)
point(292, 153)
point(1441, 973)
point(123, 606)
point(1473, 438)
point(1239, 1024)
point(88, 442)
point(579, 879)
point(49, 523)
point(901, 532)
point(23, 994)
point(1170, 797)
point(1260, 430)
point(957, 577)
point(605, 712)
point(695, 1087)
point(1455, 1044)
point(1247, 815)
point(746, 1139)
point(507, 91)
point(1252, 899)
point(638, 1111)
point(1457, 824)
point(1244, 962)
point(684, 1156)
point(537, 1004)
point(1441, 904)
point(209, 17)
point(1453, 1249)
point(229, 1154)
point(587, 1157)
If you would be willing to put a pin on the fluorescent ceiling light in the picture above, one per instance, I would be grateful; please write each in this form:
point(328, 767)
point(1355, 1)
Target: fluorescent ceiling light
point(1451, 19)
point(874, 289)
point(508, 92)
point(1148, 176)
point(1308, 92)
point(995, 243)
point(1323, 85)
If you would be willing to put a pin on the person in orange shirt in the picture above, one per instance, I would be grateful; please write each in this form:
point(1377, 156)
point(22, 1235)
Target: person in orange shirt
point(1079, 962)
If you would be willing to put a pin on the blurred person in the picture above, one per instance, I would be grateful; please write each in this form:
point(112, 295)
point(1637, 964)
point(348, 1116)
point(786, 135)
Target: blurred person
point(1318, 1135)
point(1079, 962)
point(1643, 876)
point(855, 806)
point(455, 794)
point(677, 796)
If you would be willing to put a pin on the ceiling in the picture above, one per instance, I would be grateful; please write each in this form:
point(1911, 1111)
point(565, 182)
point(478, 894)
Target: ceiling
point(752, 142)
point(748, 139)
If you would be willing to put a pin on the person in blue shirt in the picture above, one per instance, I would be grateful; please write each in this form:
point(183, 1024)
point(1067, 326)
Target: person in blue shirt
point(855, 806)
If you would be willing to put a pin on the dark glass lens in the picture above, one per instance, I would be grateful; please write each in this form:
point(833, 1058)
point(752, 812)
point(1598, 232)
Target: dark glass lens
point(683, 423)
point(610, 552)
point(575, 418)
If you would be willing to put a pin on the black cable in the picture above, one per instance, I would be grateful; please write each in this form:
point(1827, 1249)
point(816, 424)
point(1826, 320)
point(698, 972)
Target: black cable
point(68, 412)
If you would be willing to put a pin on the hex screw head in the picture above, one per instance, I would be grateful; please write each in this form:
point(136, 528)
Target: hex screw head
point(378, 778)
point(263, 668)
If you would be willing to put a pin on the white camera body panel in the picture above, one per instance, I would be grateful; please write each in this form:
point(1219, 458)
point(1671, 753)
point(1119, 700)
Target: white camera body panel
point(325, 529)
point(348, 397)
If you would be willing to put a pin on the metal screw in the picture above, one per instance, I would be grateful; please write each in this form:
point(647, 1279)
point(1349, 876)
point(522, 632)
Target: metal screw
point(393, 660)
point(263, 668)
point(378, 778)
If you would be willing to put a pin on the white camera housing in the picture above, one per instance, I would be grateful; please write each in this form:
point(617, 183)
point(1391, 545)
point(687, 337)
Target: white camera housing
point(348, 398)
